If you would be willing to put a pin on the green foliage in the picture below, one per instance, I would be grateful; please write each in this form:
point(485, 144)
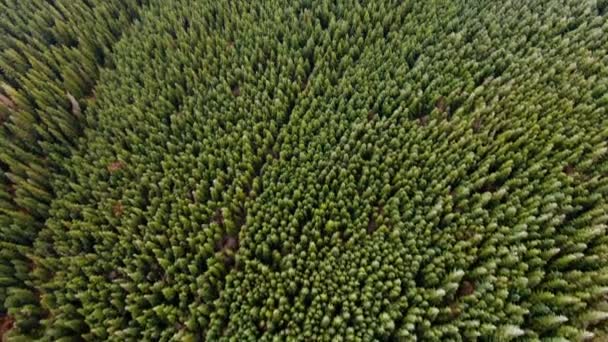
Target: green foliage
point(50, 53)
point(347, 171)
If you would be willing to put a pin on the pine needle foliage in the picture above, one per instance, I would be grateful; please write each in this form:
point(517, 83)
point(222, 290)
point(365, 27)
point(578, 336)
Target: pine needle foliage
point(304, 170)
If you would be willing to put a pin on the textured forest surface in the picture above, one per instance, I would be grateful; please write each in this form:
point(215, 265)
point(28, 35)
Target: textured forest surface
point(303, 170)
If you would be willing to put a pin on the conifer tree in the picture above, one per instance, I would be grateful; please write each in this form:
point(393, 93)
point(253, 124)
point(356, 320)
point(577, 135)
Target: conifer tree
point(355, 171)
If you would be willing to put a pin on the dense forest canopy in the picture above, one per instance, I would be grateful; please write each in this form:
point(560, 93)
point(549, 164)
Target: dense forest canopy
point(303, 170)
